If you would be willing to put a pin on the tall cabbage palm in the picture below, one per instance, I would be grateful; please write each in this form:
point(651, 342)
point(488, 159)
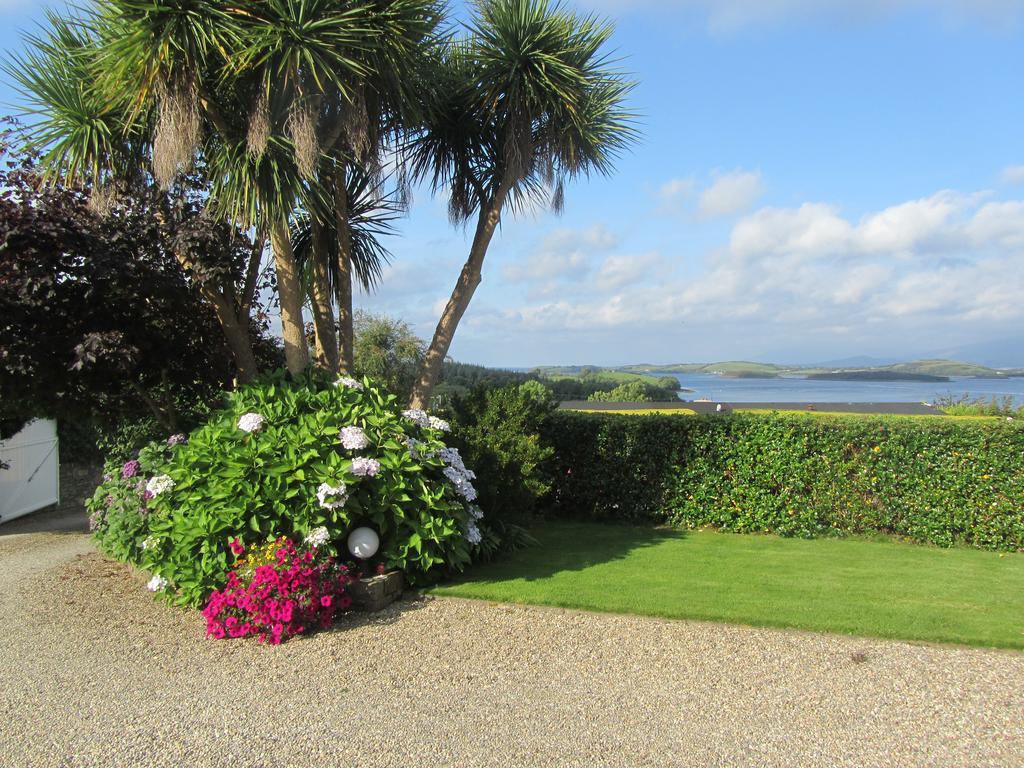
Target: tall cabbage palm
point(275, 100)
point(526, 101)
point(101, 141)
point(371, 216)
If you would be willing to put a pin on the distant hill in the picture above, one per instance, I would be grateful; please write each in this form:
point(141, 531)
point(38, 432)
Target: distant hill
point(738, 368)
point(747, 369)
point(876, 376)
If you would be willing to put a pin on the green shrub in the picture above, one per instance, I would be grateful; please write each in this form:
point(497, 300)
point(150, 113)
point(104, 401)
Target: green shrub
point(630, 392)
point(499, 433)
point(938, 480)
point(271, 464)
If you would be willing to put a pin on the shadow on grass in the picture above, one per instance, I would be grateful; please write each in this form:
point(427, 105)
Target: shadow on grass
point(569, 546)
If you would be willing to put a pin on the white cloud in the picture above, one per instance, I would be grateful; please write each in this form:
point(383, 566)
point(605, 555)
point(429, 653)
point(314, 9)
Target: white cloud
point(618, 271)
point(1013, 174)
point(674, 193)
point(562, 254)
point(730, 193)
point(937, 263)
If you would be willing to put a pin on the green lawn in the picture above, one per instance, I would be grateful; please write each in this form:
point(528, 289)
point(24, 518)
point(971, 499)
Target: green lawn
point(852, 586)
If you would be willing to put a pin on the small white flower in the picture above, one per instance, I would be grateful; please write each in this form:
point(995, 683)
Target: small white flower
point(150, 542)
point(439, 424)
point(473, 535)
point(159, 484)
point(417, 416)
point(364, 467)
point(354, 439)
point(157, 584)
point(338, 494)
point(318, 537)
point(250, 422)
point(347, 381)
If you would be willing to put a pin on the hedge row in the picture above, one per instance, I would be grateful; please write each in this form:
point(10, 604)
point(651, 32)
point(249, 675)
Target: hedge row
point(940, 480)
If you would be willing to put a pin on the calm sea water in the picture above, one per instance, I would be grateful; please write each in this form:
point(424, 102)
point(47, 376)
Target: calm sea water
point(795, 390)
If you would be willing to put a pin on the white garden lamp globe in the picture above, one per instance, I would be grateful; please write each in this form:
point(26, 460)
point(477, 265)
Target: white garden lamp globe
point(363, 543)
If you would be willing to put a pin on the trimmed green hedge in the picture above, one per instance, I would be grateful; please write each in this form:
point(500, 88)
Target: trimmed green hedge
point(940, 480)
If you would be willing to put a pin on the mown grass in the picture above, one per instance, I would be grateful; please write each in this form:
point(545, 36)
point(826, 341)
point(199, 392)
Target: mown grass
point(849, 586)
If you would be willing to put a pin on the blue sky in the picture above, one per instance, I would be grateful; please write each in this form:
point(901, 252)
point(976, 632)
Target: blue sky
point(816, 180)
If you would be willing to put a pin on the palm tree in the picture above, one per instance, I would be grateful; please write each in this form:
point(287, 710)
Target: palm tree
point(275, 100)
point(87, 133)
point(371, 216)
point(525, 102)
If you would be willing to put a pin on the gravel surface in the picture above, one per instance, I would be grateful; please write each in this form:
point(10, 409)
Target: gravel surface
point(93, 672)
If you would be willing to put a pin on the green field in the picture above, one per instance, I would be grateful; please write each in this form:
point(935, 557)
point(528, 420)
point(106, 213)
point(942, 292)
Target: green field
point(603, 375)
point(849, 586)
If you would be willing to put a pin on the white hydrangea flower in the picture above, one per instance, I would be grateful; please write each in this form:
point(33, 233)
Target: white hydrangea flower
point(364, 467)
point(250, 422)
point(159, 484)
point(439, 424)
point(339, 494)
point(473, 535)
point(157, 584)
point(353, 438)
point(348, 381)
point(150, 542)
point(417, 416)
point(318, 537)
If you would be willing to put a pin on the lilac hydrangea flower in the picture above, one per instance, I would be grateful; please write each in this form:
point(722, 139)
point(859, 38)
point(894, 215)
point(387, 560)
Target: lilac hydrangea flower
point(364, 467)
point(353, 438)
point(349, 382)
point(130, 469)
point(178, 439)
point(417, 416)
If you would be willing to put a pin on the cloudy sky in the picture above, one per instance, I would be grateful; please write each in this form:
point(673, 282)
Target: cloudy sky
point(817, 179)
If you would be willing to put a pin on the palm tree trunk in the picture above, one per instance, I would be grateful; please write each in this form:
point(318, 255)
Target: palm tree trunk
point(323, 308)
point(289, 292)
point(469, 279)
point(236, 334)
point(346, 341)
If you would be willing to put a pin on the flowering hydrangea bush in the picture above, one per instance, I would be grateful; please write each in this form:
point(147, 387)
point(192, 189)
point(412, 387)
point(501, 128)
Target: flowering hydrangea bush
point(119, 510)
point(278, 591)
point(306, 460)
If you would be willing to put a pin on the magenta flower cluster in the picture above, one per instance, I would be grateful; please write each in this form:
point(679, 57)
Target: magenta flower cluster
point(130, 469)
point(293, 595)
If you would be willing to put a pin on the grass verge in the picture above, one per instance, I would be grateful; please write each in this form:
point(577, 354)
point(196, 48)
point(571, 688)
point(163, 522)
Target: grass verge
point(848, 586)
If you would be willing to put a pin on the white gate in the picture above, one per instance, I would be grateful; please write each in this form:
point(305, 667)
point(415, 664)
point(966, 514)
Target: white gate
point(32, 478)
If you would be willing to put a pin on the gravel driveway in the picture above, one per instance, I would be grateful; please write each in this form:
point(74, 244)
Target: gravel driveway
point(95, 673)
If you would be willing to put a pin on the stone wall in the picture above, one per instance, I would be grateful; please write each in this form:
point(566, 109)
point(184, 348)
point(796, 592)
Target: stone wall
point(77, 483)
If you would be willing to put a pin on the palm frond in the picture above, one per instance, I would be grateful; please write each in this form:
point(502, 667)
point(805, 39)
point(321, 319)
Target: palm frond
point(81, 130)
point(371, 218)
